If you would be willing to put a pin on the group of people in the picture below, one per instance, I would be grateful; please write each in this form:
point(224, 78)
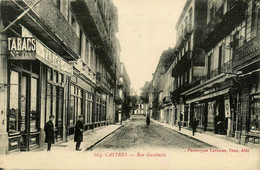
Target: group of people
point(79, 128)
point(49, 132)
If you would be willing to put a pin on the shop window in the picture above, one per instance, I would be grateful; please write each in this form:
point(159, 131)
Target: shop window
point(49, 74)
point(55, 76)
point(54, 103)
point(75, 104)
point(255, 115)
point(33, 111)
point(14, 100)
point(48, 102)
point(61, 77)
point(23, 102)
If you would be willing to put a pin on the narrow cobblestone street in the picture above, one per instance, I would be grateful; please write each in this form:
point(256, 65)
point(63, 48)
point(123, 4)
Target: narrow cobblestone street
point(136, 134)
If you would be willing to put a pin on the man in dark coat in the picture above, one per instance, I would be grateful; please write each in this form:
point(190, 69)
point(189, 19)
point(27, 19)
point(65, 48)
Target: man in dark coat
point(78, 136)
point(148, 120)
point(49, 132)
point(194, 125)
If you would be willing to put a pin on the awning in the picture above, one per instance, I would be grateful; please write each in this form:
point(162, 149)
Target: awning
point(215, 94)
point(216, 80)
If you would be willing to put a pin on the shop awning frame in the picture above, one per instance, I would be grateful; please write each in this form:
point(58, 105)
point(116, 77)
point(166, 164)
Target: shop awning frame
point(211, 95)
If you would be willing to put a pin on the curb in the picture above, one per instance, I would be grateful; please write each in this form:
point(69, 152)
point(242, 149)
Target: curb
point(100, 140)
point(184, 134)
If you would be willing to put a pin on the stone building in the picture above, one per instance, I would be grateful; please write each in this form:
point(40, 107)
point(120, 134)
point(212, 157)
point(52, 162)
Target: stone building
point(57, 58)
point(215, 69)
point(188, 65)
point(227, 97)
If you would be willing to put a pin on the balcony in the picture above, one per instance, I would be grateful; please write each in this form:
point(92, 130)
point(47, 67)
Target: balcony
point(183, 64)
point(88, 15)
point(247, 53)
point(48, 24)
point(185, 36)
point(188, 31)
point(102, 84)
point(166, 99)
point(226, 68)
point(222, 24)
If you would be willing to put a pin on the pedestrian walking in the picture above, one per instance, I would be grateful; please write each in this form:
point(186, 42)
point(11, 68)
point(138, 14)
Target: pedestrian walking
point(147, 120)
point(179, 124)
point(78, 136)
point(49, 132)
point(194, 126)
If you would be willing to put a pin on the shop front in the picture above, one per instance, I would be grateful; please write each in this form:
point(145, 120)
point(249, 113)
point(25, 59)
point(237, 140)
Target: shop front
point(81, 102)
point(23, 110)
point(213, 111)
point(37, 78)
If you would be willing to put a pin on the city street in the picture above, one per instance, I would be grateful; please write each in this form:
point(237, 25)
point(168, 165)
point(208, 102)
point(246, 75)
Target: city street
point(131, 146)
point(136, 134)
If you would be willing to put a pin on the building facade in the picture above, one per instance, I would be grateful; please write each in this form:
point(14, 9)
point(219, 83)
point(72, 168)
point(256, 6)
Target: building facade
point(188, 60)
point(57, 58)
point(215, 68)
point(141, 109)
point(226, 100)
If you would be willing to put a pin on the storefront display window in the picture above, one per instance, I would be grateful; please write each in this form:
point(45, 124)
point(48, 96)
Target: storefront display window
point(14, 96)
point(89, 103)
point(75, 104)
point(33, 112)
point(97, 115)
point(48, 103)
point(23, 102)
point(54, 103)
point(255, 115)
point(103, 116)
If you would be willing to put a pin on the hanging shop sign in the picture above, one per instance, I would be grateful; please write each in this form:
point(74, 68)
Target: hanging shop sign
point(51, 59)
point(22, 48)
point(227, 108)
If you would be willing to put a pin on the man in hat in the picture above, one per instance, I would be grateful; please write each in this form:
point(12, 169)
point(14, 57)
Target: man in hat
point(78, 136)
point(49, 132)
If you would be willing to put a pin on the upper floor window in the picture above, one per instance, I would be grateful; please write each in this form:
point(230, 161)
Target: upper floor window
point(190, 17)
point(75, 26)
point(211, 11)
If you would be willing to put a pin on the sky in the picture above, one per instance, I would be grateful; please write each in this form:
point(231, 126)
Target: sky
point(146, 29)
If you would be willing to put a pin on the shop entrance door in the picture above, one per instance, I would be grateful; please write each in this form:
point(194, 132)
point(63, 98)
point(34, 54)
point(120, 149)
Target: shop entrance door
point(29, 112)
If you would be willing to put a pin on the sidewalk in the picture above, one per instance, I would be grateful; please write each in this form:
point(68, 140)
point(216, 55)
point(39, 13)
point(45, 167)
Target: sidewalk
point(213, 140)
point(89, 139)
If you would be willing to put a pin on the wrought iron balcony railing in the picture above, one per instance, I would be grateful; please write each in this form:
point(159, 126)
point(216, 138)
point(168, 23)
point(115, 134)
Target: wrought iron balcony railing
point(226, 68)
point(183, 64)
point(221, 24)
point(247, 53)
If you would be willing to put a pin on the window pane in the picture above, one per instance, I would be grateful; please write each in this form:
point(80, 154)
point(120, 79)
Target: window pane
point(71, 117)
point(54, 104)
point(49, 74)
point(48, 104)
point(55, 76)
point(23, 102)
point(79, 106)
point(76, 109)
point(33, 112)
point(14, 95)
point(72, 89)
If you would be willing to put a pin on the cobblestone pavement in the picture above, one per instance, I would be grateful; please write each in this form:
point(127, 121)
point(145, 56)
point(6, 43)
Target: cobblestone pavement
point(136, 134)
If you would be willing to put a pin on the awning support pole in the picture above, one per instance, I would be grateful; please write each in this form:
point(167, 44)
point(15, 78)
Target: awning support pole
point(20, 16)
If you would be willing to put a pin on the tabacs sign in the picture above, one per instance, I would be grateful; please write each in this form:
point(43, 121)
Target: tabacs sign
point(22, 48)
